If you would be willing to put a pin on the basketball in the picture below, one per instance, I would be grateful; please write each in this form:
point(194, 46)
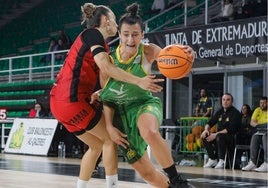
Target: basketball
point(173, 62)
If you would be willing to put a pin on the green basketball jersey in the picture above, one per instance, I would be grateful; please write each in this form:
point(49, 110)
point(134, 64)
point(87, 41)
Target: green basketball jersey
point(122, 93)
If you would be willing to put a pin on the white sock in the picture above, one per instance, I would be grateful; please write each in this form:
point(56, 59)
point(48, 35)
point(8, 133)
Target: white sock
point(81, 183)
point(111, 181)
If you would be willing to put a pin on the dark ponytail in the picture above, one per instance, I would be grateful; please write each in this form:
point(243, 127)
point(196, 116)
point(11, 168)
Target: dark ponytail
point(133, 9)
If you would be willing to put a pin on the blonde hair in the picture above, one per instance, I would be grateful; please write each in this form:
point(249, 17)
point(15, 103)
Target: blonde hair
point(87, 10)
point(91, 14)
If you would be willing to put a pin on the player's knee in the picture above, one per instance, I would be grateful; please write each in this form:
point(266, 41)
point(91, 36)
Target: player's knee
point(93, 151)
point(150, 135)
point(96, 147)
point(96, 150)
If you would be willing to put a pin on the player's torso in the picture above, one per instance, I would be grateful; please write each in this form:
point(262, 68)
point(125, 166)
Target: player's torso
point(122, 93)
point(79, 74)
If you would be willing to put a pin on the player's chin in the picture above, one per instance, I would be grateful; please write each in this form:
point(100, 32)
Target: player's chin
point(112, 33)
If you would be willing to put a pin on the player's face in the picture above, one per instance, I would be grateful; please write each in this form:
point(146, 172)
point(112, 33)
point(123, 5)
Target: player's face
point(244, 109)
point(226, 101)
point(37, 107)
point(203, 93)
point(112, 25)
point(263, 104)
point(131, 36)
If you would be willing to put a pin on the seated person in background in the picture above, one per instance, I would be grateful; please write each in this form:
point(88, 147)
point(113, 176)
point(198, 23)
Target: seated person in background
point(259, 118)
point(61, 46)
point(244, 135)
point(53, 46)
point(204, 106)
point(38, 111)
point(227, 12)
point(66, 39)
point(228, 122)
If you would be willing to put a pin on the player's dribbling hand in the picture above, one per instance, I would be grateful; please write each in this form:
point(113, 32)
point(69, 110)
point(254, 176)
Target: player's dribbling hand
point(150, 83)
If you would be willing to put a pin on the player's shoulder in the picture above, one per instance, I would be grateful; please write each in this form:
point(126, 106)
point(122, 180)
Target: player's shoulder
point(151, 48)
point(92, 31)
point(257, 110)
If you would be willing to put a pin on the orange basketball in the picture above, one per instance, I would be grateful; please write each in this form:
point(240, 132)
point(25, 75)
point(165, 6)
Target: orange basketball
point(173, 62)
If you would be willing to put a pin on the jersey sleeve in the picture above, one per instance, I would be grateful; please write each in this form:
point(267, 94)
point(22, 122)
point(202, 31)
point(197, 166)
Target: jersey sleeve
point(93, 37)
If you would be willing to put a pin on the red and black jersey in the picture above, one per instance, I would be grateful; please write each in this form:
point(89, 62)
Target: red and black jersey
point(79, 76)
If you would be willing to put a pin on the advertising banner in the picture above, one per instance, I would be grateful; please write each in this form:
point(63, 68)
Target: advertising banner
point(241, 39)
point(31, 136)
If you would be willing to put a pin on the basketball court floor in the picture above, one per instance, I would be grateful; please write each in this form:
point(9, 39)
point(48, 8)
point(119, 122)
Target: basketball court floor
point(24, 171)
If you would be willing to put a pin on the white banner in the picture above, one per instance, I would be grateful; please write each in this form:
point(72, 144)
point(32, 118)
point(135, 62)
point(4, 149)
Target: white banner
point(31, 136)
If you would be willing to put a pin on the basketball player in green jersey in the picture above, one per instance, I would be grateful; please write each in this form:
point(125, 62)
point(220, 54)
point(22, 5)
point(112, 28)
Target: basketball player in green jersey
point(133, 115)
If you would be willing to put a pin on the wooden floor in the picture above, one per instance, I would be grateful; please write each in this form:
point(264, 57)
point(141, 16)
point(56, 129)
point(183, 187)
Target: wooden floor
point(21, 171)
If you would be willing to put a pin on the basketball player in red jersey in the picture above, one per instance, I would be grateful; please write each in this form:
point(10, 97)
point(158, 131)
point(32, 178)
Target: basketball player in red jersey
point(79, 78)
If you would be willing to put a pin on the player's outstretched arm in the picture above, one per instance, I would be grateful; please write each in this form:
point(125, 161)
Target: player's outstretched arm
point(147, 83)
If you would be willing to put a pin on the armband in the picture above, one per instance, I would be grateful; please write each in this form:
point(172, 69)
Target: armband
point(98, 50)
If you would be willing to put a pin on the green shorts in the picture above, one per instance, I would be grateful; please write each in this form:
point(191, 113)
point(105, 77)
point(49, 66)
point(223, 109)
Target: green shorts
point(126, 118)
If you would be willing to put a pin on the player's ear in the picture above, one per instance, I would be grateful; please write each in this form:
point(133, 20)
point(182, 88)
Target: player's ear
point(142, 34)
point(104, 20)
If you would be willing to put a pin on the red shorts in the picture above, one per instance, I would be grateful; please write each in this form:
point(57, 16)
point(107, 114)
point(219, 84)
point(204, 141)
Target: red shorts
point(77, 117)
